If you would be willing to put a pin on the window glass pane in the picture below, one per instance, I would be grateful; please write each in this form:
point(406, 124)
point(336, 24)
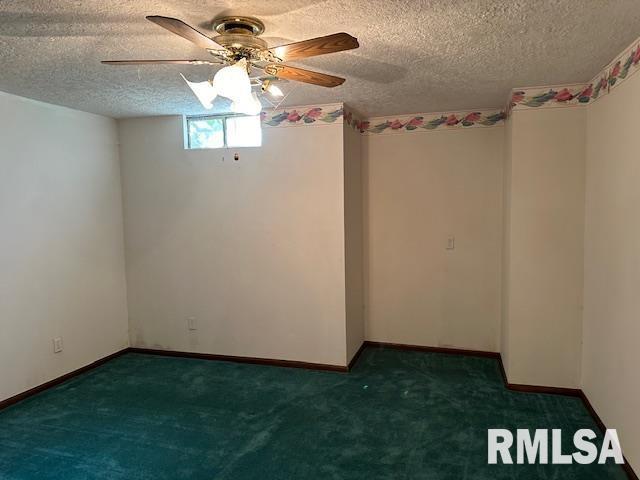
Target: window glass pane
point(206, 133)
point(244, 131)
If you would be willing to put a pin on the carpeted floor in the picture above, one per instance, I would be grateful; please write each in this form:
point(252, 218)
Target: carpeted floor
point(398, 415)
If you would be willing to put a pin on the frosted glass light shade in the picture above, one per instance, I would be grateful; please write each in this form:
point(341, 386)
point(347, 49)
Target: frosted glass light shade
point(249, 105)
point(205, 92)
point(233, 81)
point(275, 90)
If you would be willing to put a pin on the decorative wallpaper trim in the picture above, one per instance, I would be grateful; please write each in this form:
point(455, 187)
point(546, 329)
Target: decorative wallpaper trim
point(620, 69)
point(550, 97)
point(426, 122)
point(300, 116)
point(336, 114)
point(616, 72)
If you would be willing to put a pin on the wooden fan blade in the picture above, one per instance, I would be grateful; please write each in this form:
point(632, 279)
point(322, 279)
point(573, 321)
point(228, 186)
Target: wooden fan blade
point(185, 31)
point(160, 62)
point(301, 75)
point(315, 46)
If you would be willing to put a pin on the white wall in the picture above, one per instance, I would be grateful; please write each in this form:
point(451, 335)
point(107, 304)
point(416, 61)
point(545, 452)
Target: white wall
point(253, 249)
point(61, 247)
point(506, 246)
point(421, 187)
point(611, 357)
point(353, 229)
point(545, 247)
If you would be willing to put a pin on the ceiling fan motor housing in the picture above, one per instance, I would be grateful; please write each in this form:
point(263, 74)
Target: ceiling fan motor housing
point(240, 35)
point(238, 24)
point(239, 38)
point(235, 40)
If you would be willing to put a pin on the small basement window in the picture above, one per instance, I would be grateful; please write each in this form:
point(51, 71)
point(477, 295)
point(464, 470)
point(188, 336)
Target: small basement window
point(221, 131)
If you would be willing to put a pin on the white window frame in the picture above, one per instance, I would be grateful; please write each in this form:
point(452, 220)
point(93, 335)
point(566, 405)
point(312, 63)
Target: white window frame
point(222, 117)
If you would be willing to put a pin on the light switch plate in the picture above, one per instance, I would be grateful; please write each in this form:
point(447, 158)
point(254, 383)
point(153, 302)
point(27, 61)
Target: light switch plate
point(451, 243)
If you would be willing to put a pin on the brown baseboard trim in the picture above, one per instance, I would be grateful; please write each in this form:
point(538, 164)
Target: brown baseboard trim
point(517, 387)
point(56, 381)
point(170, 353)
point(628, 470)
point(567, 392)
point(592, 412)
point(252, 360)
point(422, 348)
point(596, 418)
point(572, 392)
point(356, 356)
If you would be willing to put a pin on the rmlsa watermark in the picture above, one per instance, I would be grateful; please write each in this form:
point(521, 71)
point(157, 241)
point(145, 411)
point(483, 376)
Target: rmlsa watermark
point(536, 450)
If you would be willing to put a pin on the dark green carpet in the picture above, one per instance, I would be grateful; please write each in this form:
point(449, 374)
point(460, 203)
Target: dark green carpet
point(398, 415)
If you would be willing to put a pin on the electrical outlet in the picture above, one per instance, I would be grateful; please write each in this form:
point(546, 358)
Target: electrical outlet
point(57, 345)
point(191, 323)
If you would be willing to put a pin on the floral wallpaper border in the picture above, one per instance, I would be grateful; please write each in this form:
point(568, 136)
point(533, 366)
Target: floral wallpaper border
point(621, 68)
point(296, 116)
point(336, 114)
point(427, 121)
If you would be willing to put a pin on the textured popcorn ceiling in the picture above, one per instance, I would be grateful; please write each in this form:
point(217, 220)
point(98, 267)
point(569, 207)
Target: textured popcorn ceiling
point(415, 56)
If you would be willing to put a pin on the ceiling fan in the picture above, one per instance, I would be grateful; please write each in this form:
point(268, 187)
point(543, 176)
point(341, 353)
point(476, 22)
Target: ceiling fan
point(238, 46)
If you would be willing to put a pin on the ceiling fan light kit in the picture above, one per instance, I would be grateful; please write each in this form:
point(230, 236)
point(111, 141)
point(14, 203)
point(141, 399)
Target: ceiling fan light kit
point(242, 50)
point(205, 92)
point(248, 106)
point(268, 86)
point(233, 81)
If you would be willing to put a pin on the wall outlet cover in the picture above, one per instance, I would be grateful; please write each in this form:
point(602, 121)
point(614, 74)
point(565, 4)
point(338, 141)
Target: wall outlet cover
point(57, 345)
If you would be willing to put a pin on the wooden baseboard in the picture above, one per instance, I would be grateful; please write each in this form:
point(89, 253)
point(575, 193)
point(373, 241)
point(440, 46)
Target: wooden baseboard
point(232, 358)
point(356, 356)
point(570, 392)
point(596, 418)
point(333, 368)
point(592, 411)
point(629, 471)
point(517, 387)
point(423, 348)
point(56, 381)
point(170, 353)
